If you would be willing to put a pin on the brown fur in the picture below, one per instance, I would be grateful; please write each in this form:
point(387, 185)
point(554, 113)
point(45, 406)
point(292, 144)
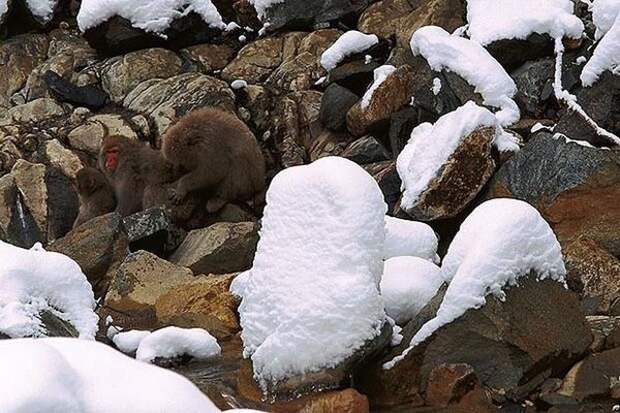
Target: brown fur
point(95, 194)
point(220, 154)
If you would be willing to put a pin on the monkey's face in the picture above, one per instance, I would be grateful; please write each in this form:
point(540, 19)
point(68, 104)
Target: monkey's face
point(88, 181)
point(111, 158)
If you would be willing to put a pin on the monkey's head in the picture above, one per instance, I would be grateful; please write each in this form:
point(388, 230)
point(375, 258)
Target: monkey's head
point(112, 147)
point(89, 180)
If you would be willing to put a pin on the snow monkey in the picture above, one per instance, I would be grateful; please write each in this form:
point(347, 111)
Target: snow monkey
point(95, 193)
point(220, 156)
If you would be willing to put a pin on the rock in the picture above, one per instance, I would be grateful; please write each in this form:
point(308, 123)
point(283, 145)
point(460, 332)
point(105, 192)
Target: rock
point(137, 285)
point(448, 14)
point(305, 14)
point(33, 112)
point(606, 332)
point(65, 91)
point(401, 126)
point(62, 158)
point(344, 401)
point(534, 82)
point(218, 249)
point(57, 327)
point(383, 18)
point(594, 377)
point(88, 136)
point(99, 247)
point(165, 100)
point(501, 341)
point(205, 303)
point(512, 53)
point(255, 62)
point(335, 103)
point(209, 58)
point(448, 383)
point(328, 143)
point(366, 150)
point(152, 230)
point(573, 187)
point(462, 177)
point(354, 75)
point(390, 96)
point(22, 54)
point(122, 74)
point(389, 182)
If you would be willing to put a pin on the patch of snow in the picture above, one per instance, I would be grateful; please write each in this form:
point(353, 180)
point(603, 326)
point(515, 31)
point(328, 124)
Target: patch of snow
point(349, 43)
point(112, 331)
point(128, 341)
point(312, 296)
point(32, 281)
point(407, 285)
point(367, 59)
point(606, 56)
point(43, 9)
point(173, 341)
point(581, 60)
point(232, 26)
point(436, 86)
point(575, 141)
point(473, 63)
point(149, 15)
point(505, 141)
point(77, 376)
point(239, 284)
point(242, 39)
point(492, 20)
point(409, 238)
point(321, 80)
point(501, 241)
point(539, 126)
point(380, 74)
point(239, 84)
point(4, 7)
point(261, 6)
point(604, 14)
point(431, 145)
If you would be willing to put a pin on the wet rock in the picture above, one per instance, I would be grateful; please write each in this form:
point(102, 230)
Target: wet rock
point(209, 58)
point(598, 375)
point(205, 303)
point(99, 246)
point(366, 150)
point(152, 230)
point(88, 96)
point(90, 133)
point(335, 103)
point(306, 14)
point(122, 74)
point(165, 100)
point(459, 181)
point(255, 62)
point(383, 18)
point(501, 341)
point(137, 285)
point(219, 249)
point(573, 187)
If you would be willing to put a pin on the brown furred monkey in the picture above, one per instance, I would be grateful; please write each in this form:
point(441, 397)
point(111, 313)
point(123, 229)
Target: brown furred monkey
point(95, 194)
point(220, 155)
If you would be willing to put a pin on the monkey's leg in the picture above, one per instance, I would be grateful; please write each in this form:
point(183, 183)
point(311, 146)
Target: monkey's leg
point(193, 181)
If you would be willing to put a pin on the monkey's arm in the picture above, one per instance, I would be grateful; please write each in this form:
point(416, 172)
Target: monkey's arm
point(199, 178)
point(128, 198)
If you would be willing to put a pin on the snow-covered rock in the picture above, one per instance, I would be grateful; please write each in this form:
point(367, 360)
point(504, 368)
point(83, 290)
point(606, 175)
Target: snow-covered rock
point(33, 281)
point(348, 44)
point(604, 13)
point(380, 74)
point(127, 341)
point(473, 63)
point(76, 376)
point(606, 56)
point(501, 241)
point(42, 10)
point(312, 297)
point(170, 342)
point(407, 285)
point(149, 15)
point(492, 20)
point(409, 238)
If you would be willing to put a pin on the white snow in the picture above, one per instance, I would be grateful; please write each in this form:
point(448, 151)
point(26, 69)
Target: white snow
point(128, 341)
point(436, 86)
point(606, 56)
point(380, 74)
point(172, 341)
point(604, 13)
point(539, 126)
point(407, 285)
point(239, 84)
point(239, 283)
point(149, 15)
point(55, 375)
point(501, 241)
point(581, 60)
point(409, 238)
point(492, 20)
point(261, 6)
point(349, 43)
point(312, 296)
point(431, 145)
point(4, 7)
point(32, 281)
point(44, 9)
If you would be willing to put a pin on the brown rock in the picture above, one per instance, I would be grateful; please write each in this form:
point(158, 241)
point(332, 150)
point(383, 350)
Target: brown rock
point(606, 332)
point(345, 401)
point(383, 18)
point(448, 383)
point(255, 62)
point(33, 112)
point(90, 133)
point(448, 14)
point(595, 376)
point(209, 57)
point(62, 158)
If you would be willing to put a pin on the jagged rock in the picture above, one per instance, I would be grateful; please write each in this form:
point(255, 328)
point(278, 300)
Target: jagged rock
point(335, 104)
point(90, 133)
point(594, 377)
point(389, 182)
point(534, 82)
point(574, 187)
point(36, 111)
point(205, 303)
point(209, 58)
point(152, 230)
point(122, 74)
point(606, 332)
point(502, 341)
point(137, 285)
point(255, 62)
point(88, 96)
point(448, 14)
point(62, 158)
point(218, 249)
point(366, 150)
point(383, 18)
point(99, 246)
point(164, 101)
point(459, 181)
point(22, 54)
point(305, 14)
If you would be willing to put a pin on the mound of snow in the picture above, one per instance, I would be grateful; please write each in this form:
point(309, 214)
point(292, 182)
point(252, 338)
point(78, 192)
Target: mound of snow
point(500, 241)
point(431, 145)
point(128, 341)
point(149, 15)
point(43, 9)
point(473, 63)
point(312, 297)
point(170, 342)
point(409, 238)
point(32, 281)
point(76, 376)
point(492, 20)
point(239, 283)
point(604, 13)
point(380, 74)
point(606, 56)
point(407, 285)
point(348, 44)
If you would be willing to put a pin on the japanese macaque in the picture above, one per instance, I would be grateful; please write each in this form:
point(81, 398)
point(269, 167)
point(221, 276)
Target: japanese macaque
point(95, 194)
point(220, 156)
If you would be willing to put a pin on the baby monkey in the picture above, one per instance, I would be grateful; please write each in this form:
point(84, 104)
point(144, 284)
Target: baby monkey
point(95, 194)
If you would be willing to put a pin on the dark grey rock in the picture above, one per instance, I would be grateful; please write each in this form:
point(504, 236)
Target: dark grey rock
point(152, 230)
point(534, 82)
point(366, 150)
point(335, 103)
point(308, 13)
